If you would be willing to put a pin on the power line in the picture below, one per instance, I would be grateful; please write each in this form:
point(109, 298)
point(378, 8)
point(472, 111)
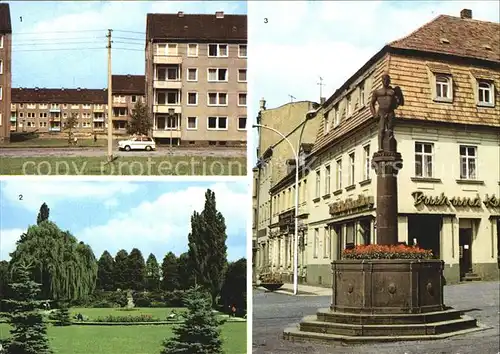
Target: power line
point(129, 31)
point(132, 39)
point(65, 43)
point(121, 42)
point(135, 50)
point(43, 32)
point(55, 49)
point(54, 39)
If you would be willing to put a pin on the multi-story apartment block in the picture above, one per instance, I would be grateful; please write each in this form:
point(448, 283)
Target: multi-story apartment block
point(448, 132)
point(196, 78)
point(5, 71)
point(127, 91)
point(45, 110)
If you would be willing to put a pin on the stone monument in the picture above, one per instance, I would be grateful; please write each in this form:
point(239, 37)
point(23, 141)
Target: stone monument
point(387, 299)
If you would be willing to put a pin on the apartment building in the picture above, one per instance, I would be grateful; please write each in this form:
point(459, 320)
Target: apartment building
point(45, 110)
point(448, 132)
point(276, 159)
point(5, 71)
point(196, 78)
point(127, 91)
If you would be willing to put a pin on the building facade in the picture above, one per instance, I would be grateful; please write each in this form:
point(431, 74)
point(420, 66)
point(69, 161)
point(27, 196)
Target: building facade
point(127, 91)
point(5, 72)
point(448, 132)
point(196, 78)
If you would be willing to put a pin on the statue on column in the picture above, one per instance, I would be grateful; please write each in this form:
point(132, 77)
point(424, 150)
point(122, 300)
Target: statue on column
point(388, 99)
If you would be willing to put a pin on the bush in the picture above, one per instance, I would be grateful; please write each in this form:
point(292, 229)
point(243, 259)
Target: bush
point(174, 298)
point(386, 252)
point(104, 304)
point(143, 302)
point(139, 318)
point(158, 304)
point(270, 278)
point(118, 297)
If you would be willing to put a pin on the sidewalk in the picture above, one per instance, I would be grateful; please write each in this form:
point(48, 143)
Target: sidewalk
point(303, 290)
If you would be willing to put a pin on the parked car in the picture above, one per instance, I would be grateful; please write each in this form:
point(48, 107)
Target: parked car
point(137, 143)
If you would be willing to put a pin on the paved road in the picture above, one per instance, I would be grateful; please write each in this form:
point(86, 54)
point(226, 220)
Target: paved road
point(273, 312)
point(101, 151)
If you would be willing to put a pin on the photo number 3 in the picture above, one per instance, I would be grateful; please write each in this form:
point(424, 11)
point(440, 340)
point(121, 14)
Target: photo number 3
point(266, 20)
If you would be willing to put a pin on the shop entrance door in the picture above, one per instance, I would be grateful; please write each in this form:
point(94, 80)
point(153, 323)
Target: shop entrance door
point(465, 247)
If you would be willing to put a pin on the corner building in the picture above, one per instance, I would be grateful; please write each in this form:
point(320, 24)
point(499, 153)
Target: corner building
point(5, 72)
point(448, 133)
point(196, 78)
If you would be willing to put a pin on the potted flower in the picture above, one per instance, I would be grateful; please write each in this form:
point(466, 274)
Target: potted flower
point(271, 281)
point(400, 251)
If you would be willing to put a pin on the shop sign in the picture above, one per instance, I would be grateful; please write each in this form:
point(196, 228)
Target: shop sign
point(442, 200)
point(286, 218)
point(350, 204)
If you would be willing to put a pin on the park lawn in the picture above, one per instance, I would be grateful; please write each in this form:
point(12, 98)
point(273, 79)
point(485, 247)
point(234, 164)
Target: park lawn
point(94, 313)
point(124, 166)
point(41, 143)
point(128, 339)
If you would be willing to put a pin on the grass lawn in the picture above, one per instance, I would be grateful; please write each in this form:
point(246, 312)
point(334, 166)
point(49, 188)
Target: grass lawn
point(94, 313)
point(125, 166)
point(127, 339)
point(56, 143)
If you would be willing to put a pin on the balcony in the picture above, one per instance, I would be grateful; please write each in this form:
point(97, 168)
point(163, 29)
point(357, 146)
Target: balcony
point(167, 84)
point(120, 118)
point(13, 118)
point(54, 129)
point(164, 108)
point(99, 109)
point(167, 133)
point(55, 109)
point(54, 119)
point(120, 104)
point(98, 119)
point(167, 59)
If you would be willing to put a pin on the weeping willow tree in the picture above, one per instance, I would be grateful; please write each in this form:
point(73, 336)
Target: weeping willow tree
point(65, 268)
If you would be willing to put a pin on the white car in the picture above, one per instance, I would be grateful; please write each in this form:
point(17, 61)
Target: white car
point(137, 143)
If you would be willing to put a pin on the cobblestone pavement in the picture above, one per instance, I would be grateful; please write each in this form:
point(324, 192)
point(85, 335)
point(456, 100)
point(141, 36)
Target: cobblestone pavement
point(272, 313)
point(101, 151)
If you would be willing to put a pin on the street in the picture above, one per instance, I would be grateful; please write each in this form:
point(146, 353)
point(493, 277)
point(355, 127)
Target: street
point(272, 312)
point(101, 151)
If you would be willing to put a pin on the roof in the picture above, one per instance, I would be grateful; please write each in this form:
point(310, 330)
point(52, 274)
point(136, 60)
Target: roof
point(128, 84)
point(51, 95)
point(457, 36)
point(196, 27)
point(5, 24)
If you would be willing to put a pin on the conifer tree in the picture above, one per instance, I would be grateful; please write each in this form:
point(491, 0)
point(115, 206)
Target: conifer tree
point(29, 330)
point(43, 214)
point(200, 332)
point(62, 316)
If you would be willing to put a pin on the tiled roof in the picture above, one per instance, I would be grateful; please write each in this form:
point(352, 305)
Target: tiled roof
point(196, 27)
point(129, 84)
point(454, 35)
point(5, 24)
point(48, 95)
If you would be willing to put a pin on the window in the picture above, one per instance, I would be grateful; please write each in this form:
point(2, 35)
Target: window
point(86, 106)
point(192, 50)
point(192, 74)
point(339, 174)
point(44, 106)
point(167, 97)
point(349, 237)
point(217, 123)
point(317, 191)
point(468, 156)
point(423, 159)
point(217, 50)
point(362, 94)
point(366, 165)
point(133, 99)
point(326, 124)
point(485, 93)
point(44, 115)
point(352, 164)
point(172, 49)
point(242, 123)
point(326, 243)
point(115, 99)
point(349, 105)
point(336, 117)
point(315, 244)
point(192, 98)
point(1, 93)
point(327, 179)
point(119, 112)
point(1, 41)
point(172, 73)
point(192, 123)
point(242, 99)
point(30, 115)
point(217, 75)
point(160, 49)
point(242, 50)
point(217, 99)
point(1, 66)
point(242, 75)
point(31, 106)
point(443, 87)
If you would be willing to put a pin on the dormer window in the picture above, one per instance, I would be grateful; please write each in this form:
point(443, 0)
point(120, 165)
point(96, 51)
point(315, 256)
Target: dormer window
point(485, 93)
point(443, 88)
point(336, 117)
point(349, 106)
point(326, 123)
point(362, 94)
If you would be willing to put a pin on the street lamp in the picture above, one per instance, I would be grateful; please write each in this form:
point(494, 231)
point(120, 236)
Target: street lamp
point(296, 231)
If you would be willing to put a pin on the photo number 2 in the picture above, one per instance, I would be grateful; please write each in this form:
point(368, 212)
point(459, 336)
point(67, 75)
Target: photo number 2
point(20, 197)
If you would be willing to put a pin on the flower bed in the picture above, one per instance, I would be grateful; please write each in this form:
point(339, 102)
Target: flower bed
point(122, 319)
point(387, 252)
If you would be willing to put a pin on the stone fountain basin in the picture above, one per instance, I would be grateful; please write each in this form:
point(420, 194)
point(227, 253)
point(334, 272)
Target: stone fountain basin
point(387, 286)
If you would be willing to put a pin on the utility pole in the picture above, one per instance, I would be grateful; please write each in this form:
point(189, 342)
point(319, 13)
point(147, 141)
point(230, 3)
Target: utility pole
point(110, 102)
point(321, 84)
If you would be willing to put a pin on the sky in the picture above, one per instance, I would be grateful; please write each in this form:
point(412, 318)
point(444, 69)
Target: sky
point(151, 216)
point(39, 27)
point(302, 41)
